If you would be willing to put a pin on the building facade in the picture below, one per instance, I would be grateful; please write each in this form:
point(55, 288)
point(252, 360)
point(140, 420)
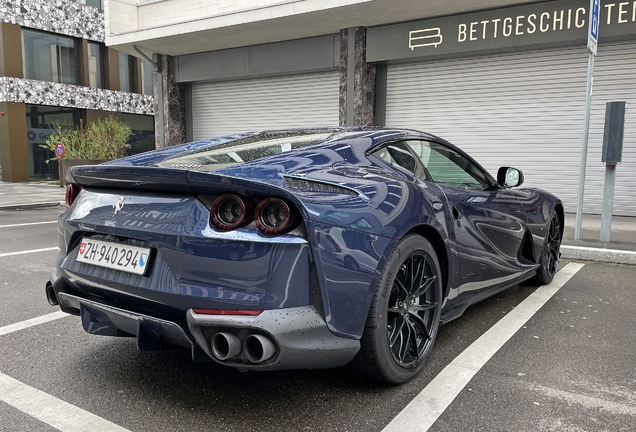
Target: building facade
point(504, 80)
point(55, 70)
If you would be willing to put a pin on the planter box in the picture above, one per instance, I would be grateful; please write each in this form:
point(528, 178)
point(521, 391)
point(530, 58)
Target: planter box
point(65, 164)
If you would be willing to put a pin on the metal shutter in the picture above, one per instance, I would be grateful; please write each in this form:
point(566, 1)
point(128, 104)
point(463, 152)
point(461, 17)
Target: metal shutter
point(222, 108)
point(526, 110)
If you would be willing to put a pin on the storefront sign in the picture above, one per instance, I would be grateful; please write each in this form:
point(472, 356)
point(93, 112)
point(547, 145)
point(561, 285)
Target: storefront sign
point(38, 135)
point(557, 23)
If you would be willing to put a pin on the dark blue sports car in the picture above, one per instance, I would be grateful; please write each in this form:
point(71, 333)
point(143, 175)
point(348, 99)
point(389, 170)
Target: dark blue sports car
point(304, 248)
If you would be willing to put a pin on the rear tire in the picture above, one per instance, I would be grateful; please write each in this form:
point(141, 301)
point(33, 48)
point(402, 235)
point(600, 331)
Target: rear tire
point(549, 261)
point(404, 316)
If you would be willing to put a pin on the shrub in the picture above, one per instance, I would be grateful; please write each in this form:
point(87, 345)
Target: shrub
point(103, 139)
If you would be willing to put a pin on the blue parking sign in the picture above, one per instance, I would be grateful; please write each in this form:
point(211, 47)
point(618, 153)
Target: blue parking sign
point(592, 40)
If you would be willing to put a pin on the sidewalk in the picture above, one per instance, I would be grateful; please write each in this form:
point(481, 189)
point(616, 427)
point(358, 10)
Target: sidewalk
point(23, 196)
point(621, 249)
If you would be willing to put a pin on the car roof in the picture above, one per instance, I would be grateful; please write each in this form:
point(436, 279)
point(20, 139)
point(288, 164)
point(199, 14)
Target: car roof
point(362, 138)
point(377, 134)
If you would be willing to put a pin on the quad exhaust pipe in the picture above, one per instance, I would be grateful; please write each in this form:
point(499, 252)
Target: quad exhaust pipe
point(258, 348)
point(225, 345)
point(51, 296)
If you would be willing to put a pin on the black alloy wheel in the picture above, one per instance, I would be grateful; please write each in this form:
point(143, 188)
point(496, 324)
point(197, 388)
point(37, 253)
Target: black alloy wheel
point(553, 246)
point(404, 316)
point(411, 309)
point(549, 262)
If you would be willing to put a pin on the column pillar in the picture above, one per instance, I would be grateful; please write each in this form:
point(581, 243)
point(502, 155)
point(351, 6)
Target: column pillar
point(13, 142)
point(170, 129)
point(14, 150)
point(357, 79)
point(111, 75)
point(83, 78)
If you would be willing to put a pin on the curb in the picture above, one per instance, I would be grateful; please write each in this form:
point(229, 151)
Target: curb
point(27, 206)
point(597, 254)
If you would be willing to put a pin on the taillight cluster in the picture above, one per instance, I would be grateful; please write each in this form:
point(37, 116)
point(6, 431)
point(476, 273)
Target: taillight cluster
point(275, 216)
point(272, 215)
point(231, 211)
point(72, 191)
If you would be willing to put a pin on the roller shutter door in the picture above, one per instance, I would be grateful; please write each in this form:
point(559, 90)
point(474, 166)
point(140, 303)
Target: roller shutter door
point(526, 110)
point(222, 108)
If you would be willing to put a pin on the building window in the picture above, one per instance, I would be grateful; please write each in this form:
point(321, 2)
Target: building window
point(41, 121)
point(146, 77)
point(99, 4)
point(49, 57)
point(125, 75)
point(143, 132)
point(95, 78)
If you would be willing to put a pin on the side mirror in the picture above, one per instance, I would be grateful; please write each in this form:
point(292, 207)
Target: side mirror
point(509, 177)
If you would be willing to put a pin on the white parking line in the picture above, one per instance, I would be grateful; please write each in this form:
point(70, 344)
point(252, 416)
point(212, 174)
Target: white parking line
point(32, 322)
point(44, 407)
point(425, 409)
point(27, 224)
point(51, 410)
point(27, 252)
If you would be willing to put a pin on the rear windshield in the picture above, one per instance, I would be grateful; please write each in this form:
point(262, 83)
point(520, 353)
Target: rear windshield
point(247, 149)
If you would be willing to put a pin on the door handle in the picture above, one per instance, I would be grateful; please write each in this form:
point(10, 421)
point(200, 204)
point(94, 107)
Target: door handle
point(456, 213)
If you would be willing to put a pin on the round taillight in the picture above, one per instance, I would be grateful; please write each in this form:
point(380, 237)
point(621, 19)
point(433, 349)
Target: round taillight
point(72, 191)
point(275, 216)
point(231, 211)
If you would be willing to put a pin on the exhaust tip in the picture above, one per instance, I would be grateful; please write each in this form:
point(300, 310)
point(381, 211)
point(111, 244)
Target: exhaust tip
point(51, 296)
point(225, 345)
point(258, 348)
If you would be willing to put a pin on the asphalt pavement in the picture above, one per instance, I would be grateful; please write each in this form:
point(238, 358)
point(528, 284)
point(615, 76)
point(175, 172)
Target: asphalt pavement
point(568, 367)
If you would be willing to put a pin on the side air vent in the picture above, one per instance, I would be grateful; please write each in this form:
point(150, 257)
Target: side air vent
point(316, 186)
point(316, 294)
point(527, 248)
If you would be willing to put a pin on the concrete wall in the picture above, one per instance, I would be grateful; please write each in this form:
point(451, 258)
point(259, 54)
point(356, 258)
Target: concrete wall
point(121, 16)
point(290, 57)
point(163, 12)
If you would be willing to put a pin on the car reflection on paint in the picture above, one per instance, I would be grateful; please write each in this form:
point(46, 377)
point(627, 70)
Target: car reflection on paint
point(350, 250)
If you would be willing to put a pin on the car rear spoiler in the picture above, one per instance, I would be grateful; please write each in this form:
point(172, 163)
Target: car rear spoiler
point(127, 177)
point(171, 180)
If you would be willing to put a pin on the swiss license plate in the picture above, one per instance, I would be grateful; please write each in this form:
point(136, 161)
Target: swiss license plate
point(119, 256)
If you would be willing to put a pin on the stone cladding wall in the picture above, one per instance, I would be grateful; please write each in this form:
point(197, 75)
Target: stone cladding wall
point(66, 95)
point(56, 16)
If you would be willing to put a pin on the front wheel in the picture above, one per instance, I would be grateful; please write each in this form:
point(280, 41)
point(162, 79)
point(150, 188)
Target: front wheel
point(404, 316)
point(549, 261)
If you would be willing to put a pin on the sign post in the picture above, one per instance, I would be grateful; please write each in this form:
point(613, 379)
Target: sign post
point(592, 45)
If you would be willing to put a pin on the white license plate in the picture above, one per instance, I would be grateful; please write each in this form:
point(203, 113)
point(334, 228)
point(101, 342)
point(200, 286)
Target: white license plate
point(118, 256)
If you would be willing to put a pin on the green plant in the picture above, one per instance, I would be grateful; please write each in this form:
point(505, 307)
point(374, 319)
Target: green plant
point(103, 139)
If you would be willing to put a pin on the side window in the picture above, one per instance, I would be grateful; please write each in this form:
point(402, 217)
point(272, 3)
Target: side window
point(397, 155)
point(447, 167)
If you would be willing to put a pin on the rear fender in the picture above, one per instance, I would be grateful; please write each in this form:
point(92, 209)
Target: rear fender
point(350, 264)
